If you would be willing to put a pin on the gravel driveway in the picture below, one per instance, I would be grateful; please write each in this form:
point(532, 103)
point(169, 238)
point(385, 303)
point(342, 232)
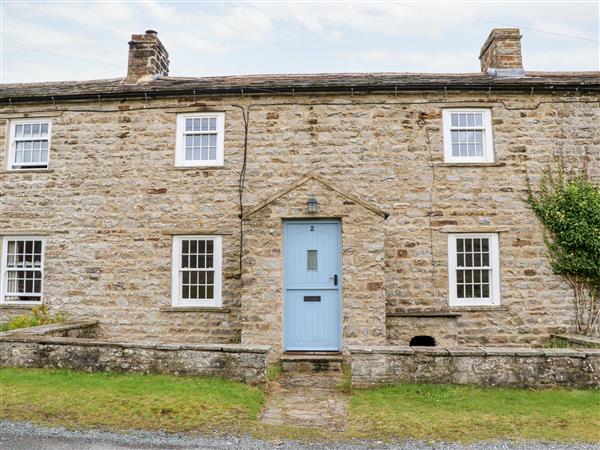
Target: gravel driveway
point(18, 435)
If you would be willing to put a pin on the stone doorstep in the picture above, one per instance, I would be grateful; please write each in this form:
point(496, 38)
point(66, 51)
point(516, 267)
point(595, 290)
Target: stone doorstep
point(312, 362)
point(312, 357)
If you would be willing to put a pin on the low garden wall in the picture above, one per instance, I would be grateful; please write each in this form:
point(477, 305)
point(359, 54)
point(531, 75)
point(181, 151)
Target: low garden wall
point(33, 348)
point(485, 366)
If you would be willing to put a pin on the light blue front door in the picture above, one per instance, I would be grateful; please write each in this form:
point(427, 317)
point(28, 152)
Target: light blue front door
point(312, 313)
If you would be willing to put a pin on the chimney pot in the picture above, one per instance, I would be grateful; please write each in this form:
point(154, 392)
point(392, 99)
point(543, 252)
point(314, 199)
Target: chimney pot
point(501, 52)
point(148, 58)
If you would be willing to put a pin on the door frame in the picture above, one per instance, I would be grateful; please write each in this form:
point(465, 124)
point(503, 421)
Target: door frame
point(338, 222)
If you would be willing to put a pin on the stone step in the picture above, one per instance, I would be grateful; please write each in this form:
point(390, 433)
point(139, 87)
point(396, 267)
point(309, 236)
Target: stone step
point(312, 362)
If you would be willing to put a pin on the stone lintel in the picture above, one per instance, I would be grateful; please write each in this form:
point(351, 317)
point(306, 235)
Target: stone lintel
point(192, 231)
point(475, 229)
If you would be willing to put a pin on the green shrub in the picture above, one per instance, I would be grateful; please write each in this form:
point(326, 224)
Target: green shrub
point(568, 205)
point(39, 316)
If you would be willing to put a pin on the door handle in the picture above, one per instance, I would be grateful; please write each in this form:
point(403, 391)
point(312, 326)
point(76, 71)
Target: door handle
point(335, 280)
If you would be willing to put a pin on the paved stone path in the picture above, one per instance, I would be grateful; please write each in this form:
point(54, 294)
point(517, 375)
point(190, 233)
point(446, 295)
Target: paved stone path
point(307, 400)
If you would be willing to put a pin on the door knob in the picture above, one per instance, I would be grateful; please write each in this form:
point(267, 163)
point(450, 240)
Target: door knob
point(335, 280)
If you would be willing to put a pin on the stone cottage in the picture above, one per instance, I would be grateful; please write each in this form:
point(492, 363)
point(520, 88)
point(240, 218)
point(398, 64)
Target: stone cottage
point(305, 212)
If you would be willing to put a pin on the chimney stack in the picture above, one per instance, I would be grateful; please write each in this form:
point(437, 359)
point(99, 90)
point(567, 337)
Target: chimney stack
point(148, 58)
point(501, 53)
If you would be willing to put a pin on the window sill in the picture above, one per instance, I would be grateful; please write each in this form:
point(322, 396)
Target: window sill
point(20, 305)
point(426, 314)
point(177, 168)
point(184, 309)
point(475, 308)
point(471, 164)
point(27, 171)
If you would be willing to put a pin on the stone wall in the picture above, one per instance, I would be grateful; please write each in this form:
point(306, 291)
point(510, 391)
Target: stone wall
point(112, 199)
point(485, 366)
point(235, 362)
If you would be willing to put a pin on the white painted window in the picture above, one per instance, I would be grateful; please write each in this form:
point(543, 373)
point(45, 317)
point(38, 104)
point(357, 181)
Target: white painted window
point(474, 269)
point(196, 276)
point(468, 135)
point(29, 144)
point(22, 269)
point(200, 139)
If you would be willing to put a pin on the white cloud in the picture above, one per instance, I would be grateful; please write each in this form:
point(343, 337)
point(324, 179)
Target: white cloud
point(395, 36)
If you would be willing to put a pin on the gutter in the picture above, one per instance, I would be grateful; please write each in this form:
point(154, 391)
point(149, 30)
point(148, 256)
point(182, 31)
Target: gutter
point(292, 90)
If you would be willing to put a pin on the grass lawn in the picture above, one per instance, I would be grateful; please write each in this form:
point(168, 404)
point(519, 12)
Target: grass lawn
point(465, 413)
point(125, 401)
point(191, 404)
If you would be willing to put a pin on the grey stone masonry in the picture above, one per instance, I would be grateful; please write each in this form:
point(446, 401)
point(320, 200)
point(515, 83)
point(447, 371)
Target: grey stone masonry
point(235, 362)
point(485, 366)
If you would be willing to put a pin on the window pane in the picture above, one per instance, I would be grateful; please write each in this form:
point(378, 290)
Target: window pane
point(468, 291)
point(485, 259)
point(454, 135)
point(311, 260)
point(485, 290)
point(478, 120)
point(459, 244)
point(460, 291)
point(468, 245)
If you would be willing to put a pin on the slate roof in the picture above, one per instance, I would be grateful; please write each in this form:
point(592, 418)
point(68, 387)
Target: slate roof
point(290, 84)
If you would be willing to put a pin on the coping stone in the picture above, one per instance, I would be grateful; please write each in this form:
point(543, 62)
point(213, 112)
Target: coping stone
point(564, 352)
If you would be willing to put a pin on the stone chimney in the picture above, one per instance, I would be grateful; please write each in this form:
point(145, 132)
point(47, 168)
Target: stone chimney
point(148, 59)
point(501, 53)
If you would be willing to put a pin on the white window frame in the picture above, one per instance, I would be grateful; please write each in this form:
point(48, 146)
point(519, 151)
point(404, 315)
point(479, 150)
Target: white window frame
point(12, 145)
point(488, 136)
point(494, 299)
point(176, 287)
point(4, 269)
point(180, 160)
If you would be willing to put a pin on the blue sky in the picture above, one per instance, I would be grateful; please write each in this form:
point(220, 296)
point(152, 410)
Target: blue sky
point(68, 40)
